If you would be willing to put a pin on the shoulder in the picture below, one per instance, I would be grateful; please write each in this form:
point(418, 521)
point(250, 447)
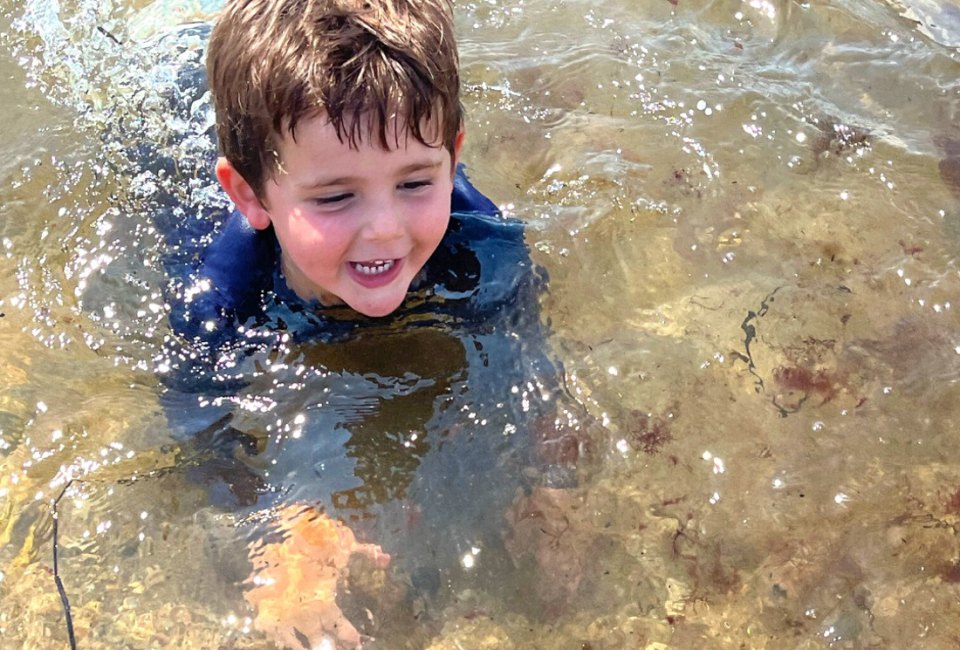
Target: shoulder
point(468, 199)
point(483, 263)
point(235, 269)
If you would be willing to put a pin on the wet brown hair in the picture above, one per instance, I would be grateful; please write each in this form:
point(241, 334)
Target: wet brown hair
point(371, 66)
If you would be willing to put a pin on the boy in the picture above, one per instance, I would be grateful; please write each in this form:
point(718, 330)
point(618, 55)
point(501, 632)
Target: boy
point(341, 128)
point(349, 152)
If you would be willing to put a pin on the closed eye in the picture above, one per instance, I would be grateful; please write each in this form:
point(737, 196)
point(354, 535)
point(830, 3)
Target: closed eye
point(414, 185)
point(333, 199)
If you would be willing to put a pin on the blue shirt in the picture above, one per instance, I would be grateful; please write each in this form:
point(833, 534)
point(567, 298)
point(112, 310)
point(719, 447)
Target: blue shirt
point(472, 388)
point(480, 278)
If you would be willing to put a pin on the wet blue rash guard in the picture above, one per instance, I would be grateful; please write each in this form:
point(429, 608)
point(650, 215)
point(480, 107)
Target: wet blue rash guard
point(479, 279)
point(476, 270)
point(475, 305)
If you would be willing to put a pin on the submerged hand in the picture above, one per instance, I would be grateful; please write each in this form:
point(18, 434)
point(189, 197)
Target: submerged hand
point(294, 582)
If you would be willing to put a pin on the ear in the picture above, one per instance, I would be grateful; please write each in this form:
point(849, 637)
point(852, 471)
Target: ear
point(457, 146)
point(242, 195)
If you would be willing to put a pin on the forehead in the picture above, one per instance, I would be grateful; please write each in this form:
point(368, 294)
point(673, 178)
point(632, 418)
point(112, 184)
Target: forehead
point(365, 129)
point(319, 157)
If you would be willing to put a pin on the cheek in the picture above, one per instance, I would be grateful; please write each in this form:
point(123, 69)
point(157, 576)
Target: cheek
point(433, 223)
point(320, 233)
point(317, 241)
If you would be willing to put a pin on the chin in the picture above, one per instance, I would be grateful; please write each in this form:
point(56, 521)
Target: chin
point(378, 309)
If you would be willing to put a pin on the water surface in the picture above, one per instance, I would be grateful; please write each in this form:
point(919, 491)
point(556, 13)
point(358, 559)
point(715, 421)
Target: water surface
point(749, 215)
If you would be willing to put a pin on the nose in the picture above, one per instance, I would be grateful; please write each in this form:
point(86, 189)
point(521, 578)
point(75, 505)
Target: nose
point(383, 221)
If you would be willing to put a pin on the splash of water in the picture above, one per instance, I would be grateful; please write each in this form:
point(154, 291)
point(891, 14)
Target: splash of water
point(140, 142)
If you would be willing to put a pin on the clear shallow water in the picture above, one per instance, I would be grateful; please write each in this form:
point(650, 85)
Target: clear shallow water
point(749, 216)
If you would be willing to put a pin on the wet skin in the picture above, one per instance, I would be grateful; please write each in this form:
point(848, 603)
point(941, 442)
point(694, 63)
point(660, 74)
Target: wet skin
point(355, 225)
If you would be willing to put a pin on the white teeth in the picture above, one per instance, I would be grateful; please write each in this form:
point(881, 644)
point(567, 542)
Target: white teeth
point(374, 268)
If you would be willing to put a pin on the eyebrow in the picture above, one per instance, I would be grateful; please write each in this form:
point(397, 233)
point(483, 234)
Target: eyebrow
point(412, 168)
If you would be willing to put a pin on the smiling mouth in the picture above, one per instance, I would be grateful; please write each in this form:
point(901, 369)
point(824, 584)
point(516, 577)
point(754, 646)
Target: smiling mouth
point(373, 267)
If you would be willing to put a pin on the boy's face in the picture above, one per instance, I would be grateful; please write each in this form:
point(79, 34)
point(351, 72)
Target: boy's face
point(355, 226)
